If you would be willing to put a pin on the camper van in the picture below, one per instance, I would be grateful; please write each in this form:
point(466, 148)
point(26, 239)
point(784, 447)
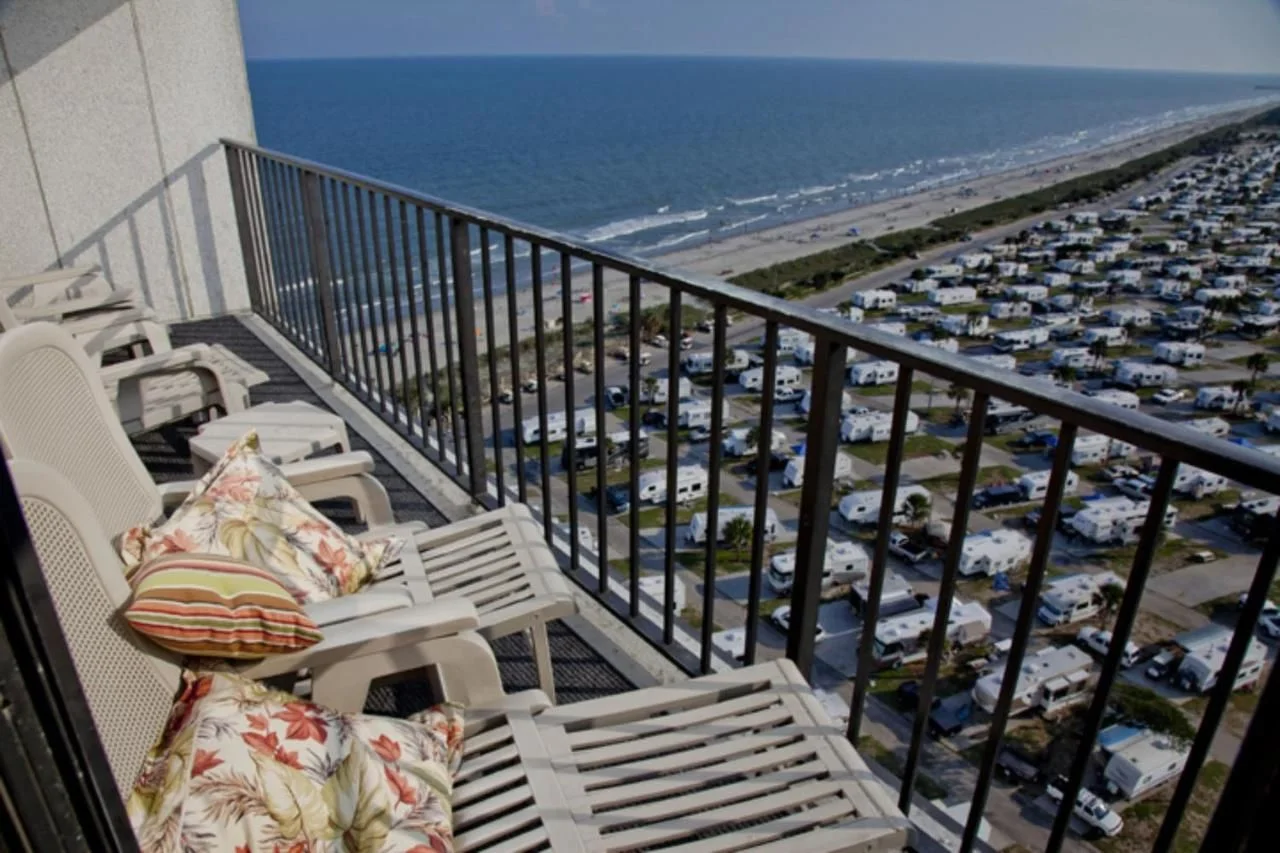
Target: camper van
point(1198, 672)
point(1116, 397)
point(1114, 335)
point(904, 638)
point(864, 507)
point(1196, 482)
point(1180, 353)
point(655, 391)
point(1048, 680)
point(874, 426)
point(1009, 310)
point(873, 373)
point(736, 442)
point(944, 271)
point(1077, 357)
point(896, 595)
point(1094, 449)
point(953, 296)
point(793, 475)
point(1074, 597)
point(1035, 485)
point(993, 551)
point(1114, 520)
point(691, 484)
point(875, 300)
point(1140, 761)
point(697, 533)
point(785, 376)
point(1018, 340)
point(844, 562)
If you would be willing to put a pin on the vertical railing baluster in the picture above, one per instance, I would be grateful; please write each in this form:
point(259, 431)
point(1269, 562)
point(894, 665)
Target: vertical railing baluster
point(540, 353)
point(386, 353)
point(602, 461)
point(1022, 630)
point(370, 299)
point(468, 354)
point(633, 403)
point(248, 252)
point(950, 574)
point(513, 350)
point(424, 272)
point(764, 452)
point(306, 289)
point(491, 358)
point(880, 550)
point(313, 209)
point(446, 324)
point(350, 297)
point(288, 273)
point(571, 410)
point(1211, 719)
point(341, 286)
point(713, 489)
point(1152, 527)
point(673, 462)
point(358, 297)
point(398, 312)
point(822, 438)
point(407, 245)
point(254, 183)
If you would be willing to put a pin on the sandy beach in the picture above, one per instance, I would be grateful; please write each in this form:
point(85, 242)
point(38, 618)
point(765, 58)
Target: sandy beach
point(745, 252)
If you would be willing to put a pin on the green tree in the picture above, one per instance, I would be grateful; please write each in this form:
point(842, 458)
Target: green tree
point(1257, 363)
point(1066, 374)
point(972, 319)
point(959, 394)
point(737, 533)
point(918, 274)
point(1150, 710)
point(1241, 387)
point(753, 436)
point(1098, 349)
point(650, 389)
point(1112, 594)
point(917, 509)
point(1130, 327)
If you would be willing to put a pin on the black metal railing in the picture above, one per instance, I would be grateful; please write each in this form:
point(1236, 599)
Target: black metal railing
point(339, 263)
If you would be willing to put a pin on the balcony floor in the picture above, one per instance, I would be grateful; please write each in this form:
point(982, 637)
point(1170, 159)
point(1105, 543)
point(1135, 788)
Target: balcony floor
point(580, 671)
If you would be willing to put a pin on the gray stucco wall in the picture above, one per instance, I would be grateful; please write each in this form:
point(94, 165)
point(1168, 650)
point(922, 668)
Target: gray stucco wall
point(110, 113)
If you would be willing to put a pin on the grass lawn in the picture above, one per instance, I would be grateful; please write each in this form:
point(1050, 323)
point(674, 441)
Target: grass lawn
point(926, 785)
point(1211, 505)
point(916, 446)
point(728, 562)
point(1142, 820)
point(1170, 554)
point(992, 474)
point(918, 386)
point(693, 616)
point(620, 474)
point(656, 516)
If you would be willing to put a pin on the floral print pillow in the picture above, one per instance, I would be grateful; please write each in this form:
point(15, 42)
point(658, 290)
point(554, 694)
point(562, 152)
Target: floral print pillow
point(246, 509)
point(242, 767)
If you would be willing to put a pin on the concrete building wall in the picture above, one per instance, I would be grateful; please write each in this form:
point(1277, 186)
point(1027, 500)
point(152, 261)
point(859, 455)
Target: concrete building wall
point(110, 114)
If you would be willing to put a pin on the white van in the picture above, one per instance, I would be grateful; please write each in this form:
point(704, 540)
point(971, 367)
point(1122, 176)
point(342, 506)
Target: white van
point(864, 507)
point(697, 533)
point(691, 484)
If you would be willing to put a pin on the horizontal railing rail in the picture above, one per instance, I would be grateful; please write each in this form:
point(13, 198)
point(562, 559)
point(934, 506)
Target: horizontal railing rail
point(359, 273)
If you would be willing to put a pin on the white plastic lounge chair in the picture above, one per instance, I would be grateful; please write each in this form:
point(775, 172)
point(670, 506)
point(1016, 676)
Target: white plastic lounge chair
point(54, 412)
point(84, 303)
point(744, 759)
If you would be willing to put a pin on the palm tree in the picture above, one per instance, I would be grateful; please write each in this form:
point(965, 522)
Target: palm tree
point(753, 436)
point(1066, 374)
point(737, 532)
point(959, 394)
point(1241, 387)
point(1130, 327)
point(917, 509)
point(1112, 594)
point(1098, 349)
point(1257, 363)
point(650, 389)
point(972, 319)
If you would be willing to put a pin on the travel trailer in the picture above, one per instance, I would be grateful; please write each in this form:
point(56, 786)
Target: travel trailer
point(1056, 279)
point(904, 638)
point(1077, 357)
point(944, 271)
point(1074, 598)
point(993, 551)
point(873, 372)
point(656, 390)
point(953, 296)
point(1027, 292)
point(1009, 310)
point(864, 507)
point(1199, 670)
point(918, 285)
point(1128, 316)
point(963, 325)
point(806, 402)
point(874, 426)
point(1116, 397)
point(1216, 427)
point(789, 339)
point(700, 363)
point(736, 442)
point(1140, 761)
point(785, 376)
point(793, 475)
point(807, 353)
point(586, 450)
point(974, 260)
point(1114, 335)
point(844, 562)
point(1094, 448)
point(1114, 520)
point(558, 426)
point(875, 300)
point(999, 362)
point(1011, 269)
point(1051, 679)
point(1180, 353)
point(697, 533)
point(691, 484)
point(1131, 278)
point(896, 595)
point(1173, 289)
point(1035, 484)
point(1216, 398)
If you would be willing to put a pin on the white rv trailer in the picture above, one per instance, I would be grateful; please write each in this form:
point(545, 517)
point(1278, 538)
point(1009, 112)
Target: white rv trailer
point(999, 362)
point(656, 390)
point(736, 442)
point(844, 562)
point(793, 475)
point(890, 327)
point(806, 402)
point(974, 260)
point(785, 376)
point(1199, 670)
point(807, 353)
point(1074, 597)
point(789, 339)
point(962, 325)
point(919, 285)
point(1012, 269)
point(953, 296)
point(1142, 763)
point(1056, 279)
point(1129, 277)
point(1050, 679)
point(584, 423)
point(1114, 335)
point(1035, 484)
point(1116, 397)
point(950, 345)
point(1205, 295)
point(993, 551)
point(1009, 310)
point(1197, 482)
point(1216, 427)
point(1126, 315)
point(856, 314)
point(896, 595)
point(874, 426)
point(875, 300)
point(697, 533)
point(873, 372)
point(1180, 353)
point(864, 507)
point(944, 271)
point(1094, 448)
point(904, 638)
point(1172, 289)
point(1077, 357)
point(1216, 398)
point(1111, 520)
point(1027, 292)
point(691, 484)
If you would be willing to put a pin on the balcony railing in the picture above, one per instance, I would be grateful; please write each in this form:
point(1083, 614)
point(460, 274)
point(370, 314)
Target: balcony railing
point(357, 273)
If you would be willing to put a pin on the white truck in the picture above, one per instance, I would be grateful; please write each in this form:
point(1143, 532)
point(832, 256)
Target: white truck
point(793, 474)
point(1051, 679)
point(873, 373)
point(844, 562)
point(993, 551)
point(697, 533)
point(874, 426)
point(1074, 598)
point(691, 484)
point(864, 507)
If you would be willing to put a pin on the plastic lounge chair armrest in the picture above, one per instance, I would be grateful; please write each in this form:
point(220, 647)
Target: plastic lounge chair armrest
point(178, 359)
point(309, 471)
point(67, 274)
point(54, 311)
point(345, 475)
point(376, 634)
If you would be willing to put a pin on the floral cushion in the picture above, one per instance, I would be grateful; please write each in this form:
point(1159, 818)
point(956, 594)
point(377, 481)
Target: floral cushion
point(242, 767)
point(246, 509)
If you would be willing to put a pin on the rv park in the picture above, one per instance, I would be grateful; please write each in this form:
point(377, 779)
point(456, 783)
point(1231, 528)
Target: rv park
point(1164, 298)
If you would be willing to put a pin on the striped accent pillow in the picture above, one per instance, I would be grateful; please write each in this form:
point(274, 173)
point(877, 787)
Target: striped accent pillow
point(217, 607)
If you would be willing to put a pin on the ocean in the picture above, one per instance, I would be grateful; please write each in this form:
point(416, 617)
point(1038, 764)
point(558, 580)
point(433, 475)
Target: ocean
point(648, 155)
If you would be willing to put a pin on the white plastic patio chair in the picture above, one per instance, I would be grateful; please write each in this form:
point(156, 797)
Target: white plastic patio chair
point(744, 759)
point(53, 411)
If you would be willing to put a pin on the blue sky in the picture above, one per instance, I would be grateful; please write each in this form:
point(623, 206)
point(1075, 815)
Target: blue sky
point(1193, 35)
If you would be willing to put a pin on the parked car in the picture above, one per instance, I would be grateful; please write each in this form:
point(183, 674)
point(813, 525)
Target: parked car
point(1269, 625)
point(907, 695)
point(1165, 396)
point(1098, 641)
point(617, 497)
point(1034, 439)
point(1120, 472)
point(1065, 513)
point(699, 434)
point(778, 460)
point(1202, 557)
point(949, 716)
point(997, 496)
point(1089, 808)
point(781, 618)
point(902, 546)
point(659, 341)
point(788, 395)
point(1163, 665)
point(1015, 766)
